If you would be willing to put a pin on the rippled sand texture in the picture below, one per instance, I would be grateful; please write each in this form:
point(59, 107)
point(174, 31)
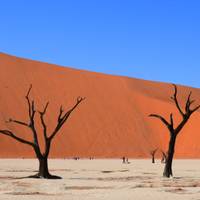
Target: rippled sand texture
point(111, 122)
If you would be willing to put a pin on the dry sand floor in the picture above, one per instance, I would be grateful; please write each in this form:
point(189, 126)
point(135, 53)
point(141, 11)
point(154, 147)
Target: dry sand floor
point(99, 179)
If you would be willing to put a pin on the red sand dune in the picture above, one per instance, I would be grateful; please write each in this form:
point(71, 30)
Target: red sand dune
point(112, 122)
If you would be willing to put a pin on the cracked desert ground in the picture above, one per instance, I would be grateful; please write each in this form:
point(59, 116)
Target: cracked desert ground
point(100, 179)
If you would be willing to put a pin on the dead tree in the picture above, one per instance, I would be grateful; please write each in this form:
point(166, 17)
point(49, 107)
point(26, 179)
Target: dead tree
point(153, 155)
point(164, 157)
point(174, 131)
point(48, 137)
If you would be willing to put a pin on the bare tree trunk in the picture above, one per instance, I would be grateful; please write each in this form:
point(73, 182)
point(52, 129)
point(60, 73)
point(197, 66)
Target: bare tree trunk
point(164, 157)
point(43, 168)
point(153, 159)
point(43, 162)
point(168, 165)
point(43, 171)
point(153, 155)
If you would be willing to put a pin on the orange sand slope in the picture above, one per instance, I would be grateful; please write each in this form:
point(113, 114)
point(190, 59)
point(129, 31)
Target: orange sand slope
point(112, 122)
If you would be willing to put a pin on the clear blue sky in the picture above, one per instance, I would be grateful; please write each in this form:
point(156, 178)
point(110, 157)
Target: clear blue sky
point(148, 39)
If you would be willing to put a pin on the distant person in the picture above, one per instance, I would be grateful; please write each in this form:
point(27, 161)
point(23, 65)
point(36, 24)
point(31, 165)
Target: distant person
point(124, 159)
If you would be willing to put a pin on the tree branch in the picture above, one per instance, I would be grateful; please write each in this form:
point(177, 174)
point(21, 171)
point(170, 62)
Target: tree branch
point(42, 113)
point(161, 118)
point(195, 109)
point(172, 121)
point(31, 108)
point(28, 101)
point(62, 119)
point(60, 114)
point(17, 122)
point(153, 151)
point(174, 98)
point(188, 103)
point(12, 135)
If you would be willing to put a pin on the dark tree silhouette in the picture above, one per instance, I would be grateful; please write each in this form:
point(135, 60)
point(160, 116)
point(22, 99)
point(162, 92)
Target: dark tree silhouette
point(174, 131)
point(153, 155)
point(42, 156)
